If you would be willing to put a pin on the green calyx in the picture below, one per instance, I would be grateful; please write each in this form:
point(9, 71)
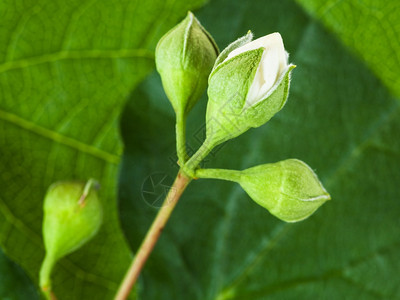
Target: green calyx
point(227, 114)
point(288, 189)
point(72, 215)
point(232, 46)
point(184, 58)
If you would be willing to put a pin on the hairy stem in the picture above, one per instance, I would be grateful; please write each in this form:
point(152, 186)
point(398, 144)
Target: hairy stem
point(223, 174)
point(152, 235)
point(180, 129)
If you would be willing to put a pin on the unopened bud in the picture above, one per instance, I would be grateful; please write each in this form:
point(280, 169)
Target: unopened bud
point(72, 215)
point(184, 58)
point(289, 189)
point(247, 87)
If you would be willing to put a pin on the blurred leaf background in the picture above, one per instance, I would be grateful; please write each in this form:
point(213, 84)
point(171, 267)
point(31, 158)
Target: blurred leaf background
point(73, 86)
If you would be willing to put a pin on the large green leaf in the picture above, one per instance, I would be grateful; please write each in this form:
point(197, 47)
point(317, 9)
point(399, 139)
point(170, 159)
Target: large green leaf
point(370, 28)
point(218, 244)
point(66, 68)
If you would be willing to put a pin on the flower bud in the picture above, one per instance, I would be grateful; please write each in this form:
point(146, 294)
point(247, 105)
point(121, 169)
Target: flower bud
point(248, 86)
point(289, 189)
point(72, 215)
point(184, 58)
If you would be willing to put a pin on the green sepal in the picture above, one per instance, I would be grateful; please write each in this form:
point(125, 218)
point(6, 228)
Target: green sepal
point(264, 110)
point(289, 189)
point(185, 56)
point(227, 113)
point(232, 46)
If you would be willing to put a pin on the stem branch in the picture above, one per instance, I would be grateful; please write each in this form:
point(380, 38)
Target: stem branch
point(195, 160)
point(152, 235)
point(224, 174)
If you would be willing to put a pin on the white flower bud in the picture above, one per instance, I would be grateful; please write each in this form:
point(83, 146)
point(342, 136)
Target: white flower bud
point(248, 85)
point(274, 63)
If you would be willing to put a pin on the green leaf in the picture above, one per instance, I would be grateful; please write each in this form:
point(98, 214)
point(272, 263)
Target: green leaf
point(370, 28)
point(66, 69)
point(218, 244)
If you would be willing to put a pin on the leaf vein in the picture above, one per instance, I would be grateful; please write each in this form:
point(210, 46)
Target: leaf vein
point(81, 54)
point(75, 15)
point(58, 138)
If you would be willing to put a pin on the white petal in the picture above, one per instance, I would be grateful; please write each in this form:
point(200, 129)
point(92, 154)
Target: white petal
point(273, 63)
point(258, 43)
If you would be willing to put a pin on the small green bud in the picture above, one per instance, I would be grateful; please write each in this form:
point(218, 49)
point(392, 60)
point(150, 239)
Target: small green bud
point(184, 58)
point(248, 86)
point(72, 215)
point(289, 189)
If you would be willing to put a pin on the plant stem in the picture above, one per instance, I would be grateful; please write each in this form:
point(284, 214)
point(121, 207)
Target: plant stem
point(44, 275)
point(224, 174)
point(175, 192)
point(180, 129)
point(49, 294)
point(195, 160)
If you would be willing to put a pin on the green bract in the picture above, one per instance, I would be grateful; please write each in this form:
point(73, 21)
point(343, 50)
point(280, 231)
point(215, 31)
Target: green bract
point(289, 189)
point(72, 215)
point(184, 58)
